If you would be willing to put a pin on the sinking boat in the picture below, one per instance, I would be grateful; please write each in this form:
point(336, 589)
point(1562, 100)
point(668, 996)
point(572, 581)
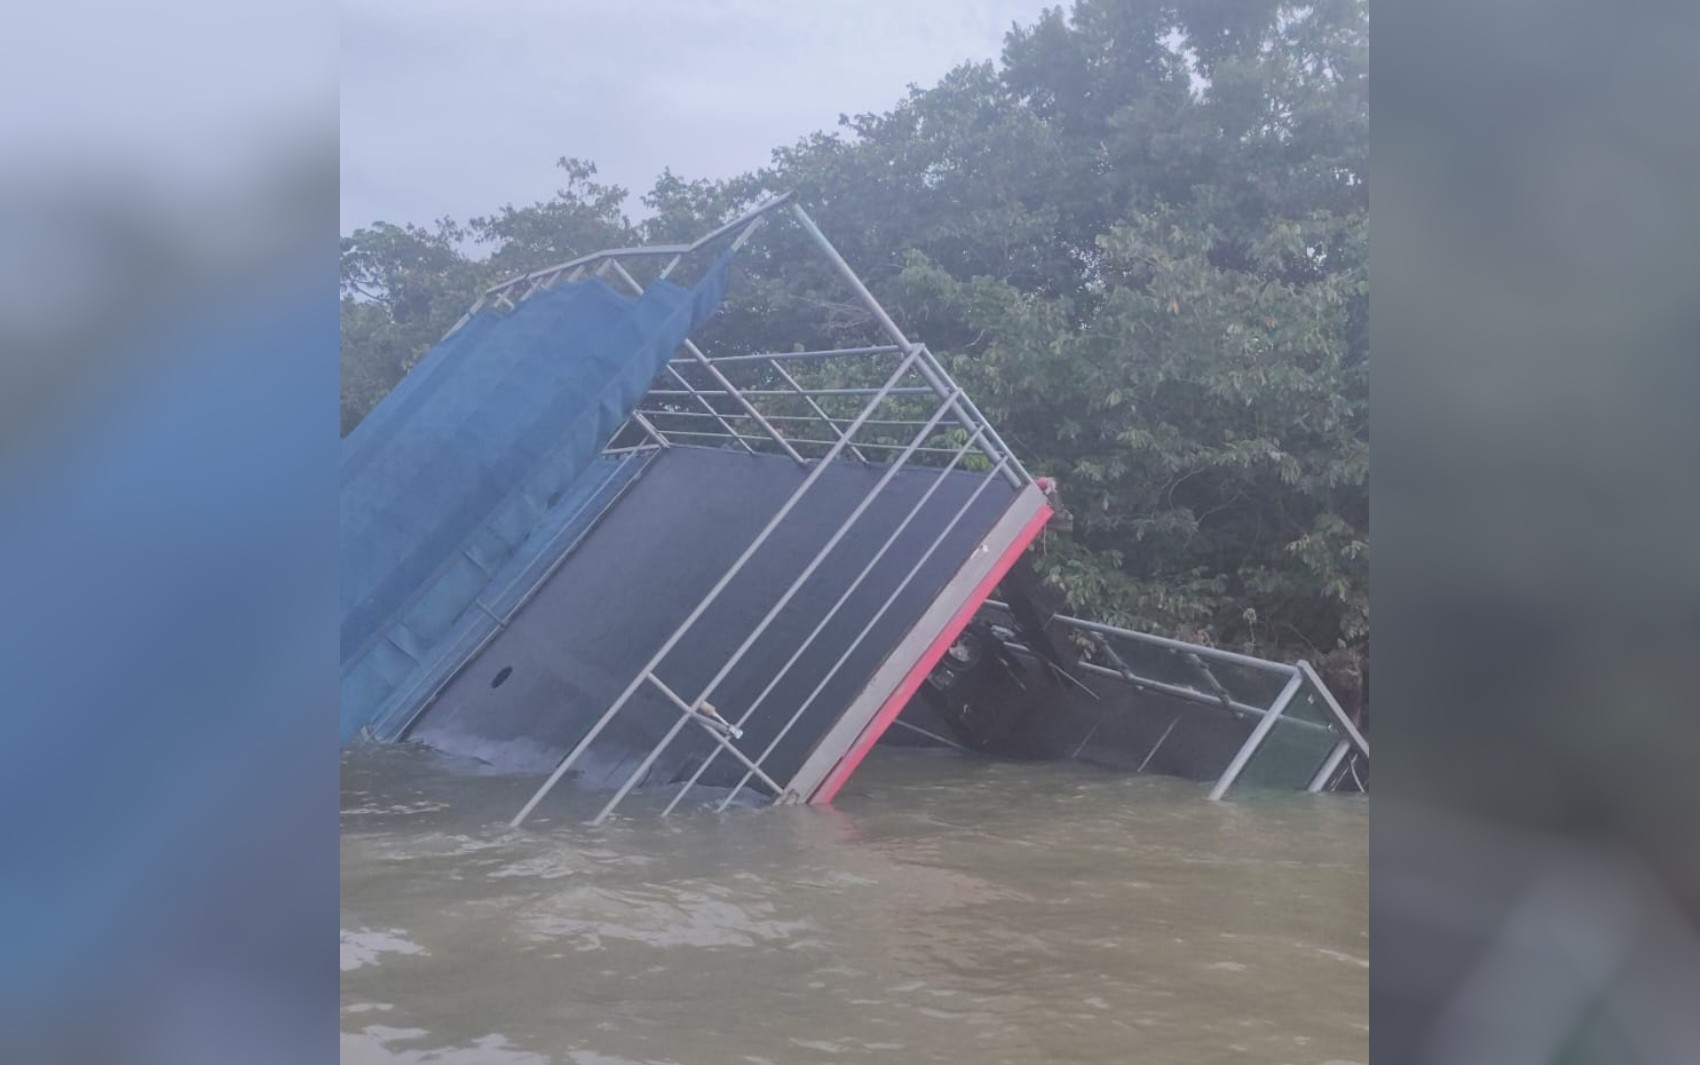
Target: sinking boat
point(575, 542)
point(1025, 681)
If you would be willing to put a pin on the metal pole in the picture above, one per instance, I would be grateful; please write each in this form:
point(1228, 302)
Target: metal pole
point(1320, 781)
point(773, 611)
point(1247, 749)
point(935, 737)
point(734, 436)
point(751, 222)
point(940, 383)
point(724, 742)
point(828, 353)
point(678, 251)
point(1175, 691)
point(830, 424)
point(910, 423)
point(882, 392)
point(748, 216)
point(719, 379)
point(716, 415)
point(707, 601)
point(660, 440)
point(546, 280)
point(849, 275)
point(974, 411)
point(1261, 664)
point(585, 260)
point(863, 293)
point(820, 626)
point(1336, 709)
point(1147, 759)
point(866, 629)
point(971, 415)
point(796, 439)
point(671, 372)
point(477, 306)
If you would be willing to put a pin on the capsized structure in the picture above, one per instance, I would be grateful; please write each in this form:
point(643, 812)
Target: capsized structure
point(1026, 681)
point(585, 538)
point(576, 541)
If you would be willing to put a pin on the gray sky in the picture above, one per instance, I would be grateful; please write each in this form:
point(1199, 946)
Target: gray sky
point(459, 106)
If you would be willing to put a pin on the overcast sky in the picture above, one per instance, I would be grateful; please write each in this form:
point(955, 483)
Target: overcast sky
point(456, 107)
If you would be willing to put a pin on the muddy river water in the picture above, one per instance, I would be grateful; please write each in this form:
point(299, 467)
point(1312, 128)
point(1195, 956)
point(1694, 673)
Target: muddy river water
point(944, 910)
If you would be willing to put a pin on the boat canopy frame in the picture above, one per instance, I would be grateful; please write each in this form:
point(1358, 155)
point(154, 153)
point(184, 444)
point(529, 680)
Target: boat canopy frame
point(890, 405)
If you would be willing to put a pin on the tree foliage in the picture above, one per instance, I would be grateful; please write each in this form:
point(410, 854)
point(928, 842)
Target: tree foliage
point(1140, 240)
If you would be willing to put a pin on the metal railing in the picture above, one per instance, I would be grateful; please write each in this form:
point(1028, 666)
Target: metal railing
point(1205, 689)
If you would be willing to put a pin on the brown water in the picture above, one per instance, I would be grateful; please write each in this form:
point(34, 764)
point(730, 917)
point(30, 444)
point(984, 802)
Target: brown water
point(945, 910)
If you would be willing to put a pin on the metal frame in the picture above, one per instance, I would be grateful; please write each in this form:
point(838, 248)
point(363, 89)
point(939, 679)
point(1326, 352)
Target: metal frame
point(1258, 734)
point(1297, 677)
point(890, 405)
point(1301, 678)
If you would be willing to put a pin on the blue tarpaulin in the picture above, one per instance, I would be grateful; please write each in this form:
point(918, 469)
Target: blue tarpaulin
point(448, 478)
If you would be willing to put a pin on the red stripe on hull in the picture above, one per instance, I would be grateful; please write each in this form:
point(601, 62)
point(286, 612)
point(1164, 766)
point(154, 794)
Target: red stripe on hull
point(935, 651)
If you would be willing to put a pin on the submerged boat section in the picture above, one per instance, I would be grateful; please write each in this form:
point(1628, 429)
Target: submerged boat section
point(578, 543)
point(1026, 681)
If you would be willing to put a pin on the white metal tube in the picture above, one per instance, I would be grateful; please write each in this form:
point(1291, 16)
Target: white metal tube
point(649, 429)
point(1340, 716)
point(869, 627)
point(719, 379)
point(1261, 664)
point(866, 295)
point(1174, 690)
point(1255, 740)
point(909, 423)
point(748, 216)
point(712, 413)
point(935, 737)
point(830, 424)
point(585, 260)
point(723, 742)
point(1148, 754)
point(882, 392)
point(820, 626)
point(701, 607)
point(1016, 470)
point(773, 612)
point(827, 353)
point(1320, 781)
